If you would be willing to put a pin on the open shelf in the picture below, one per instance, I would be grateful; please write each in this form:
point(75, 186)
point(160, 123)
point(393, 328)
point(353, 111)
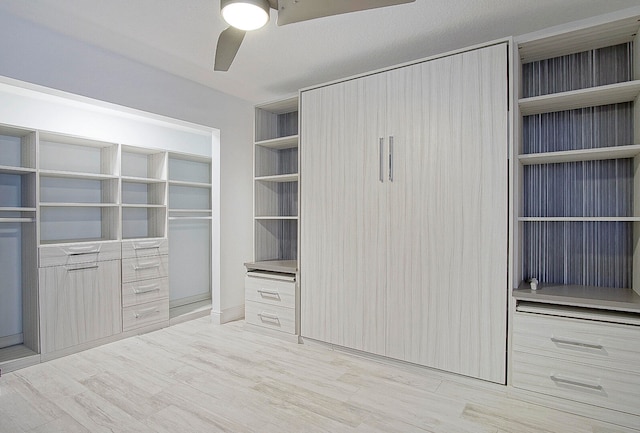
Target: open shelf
point(280, 143)
point(603, 298)
point(590, 97)
point(598, 154)
point(279, 178)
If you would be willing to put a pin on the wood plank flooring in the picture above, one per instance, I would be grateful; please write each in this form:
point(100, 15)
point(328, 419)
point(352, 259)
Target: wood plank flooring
point(201, 377)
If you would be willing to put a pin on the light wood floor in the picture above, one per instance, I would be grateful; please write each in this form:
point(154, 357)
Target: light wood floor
point(199, 377)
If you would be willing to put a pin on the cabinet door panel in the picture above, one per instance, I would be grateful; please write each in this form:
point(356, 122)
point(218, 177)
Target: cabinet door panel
point(447, 269)
point(79, 303)
point(343, 239)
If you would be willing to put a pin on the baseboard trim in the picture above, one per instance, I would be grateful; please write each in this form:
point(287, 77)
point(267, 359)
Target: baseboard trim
point(227, 315)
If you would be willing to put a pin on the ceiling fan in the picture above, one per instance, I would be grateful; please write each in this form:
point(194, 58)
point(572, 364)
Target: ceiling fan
point(247, 15)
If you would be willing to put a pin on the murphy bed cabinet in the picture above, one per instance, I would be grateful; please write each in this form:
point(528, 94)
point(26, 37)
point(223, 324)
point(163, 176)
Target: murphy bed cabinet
point(271, 290)
point(575, 339)
point(404, 215)
point(85, 222)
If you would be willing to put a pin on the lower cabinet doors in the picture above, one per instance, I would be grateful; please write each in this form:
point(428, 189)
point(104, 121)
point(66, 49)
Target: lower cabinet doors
point(79, 303)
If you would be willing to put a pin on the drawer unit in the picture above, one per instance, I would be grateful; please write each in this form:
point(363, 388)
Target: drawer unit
point(591, 362)
point(584, 383)
point(148, 313)
point(600, 344)
point(145, 268)
point(69, 254)
point(270, 291)
point(271, 316)
point(144, 248)
point(137, 292)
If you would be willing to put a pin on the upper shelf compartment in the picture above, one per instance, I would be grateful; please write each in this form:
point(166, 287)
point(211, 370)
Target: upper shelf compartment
point(65, 154)
point(143, 165)
point(589, 97)
point(17, 151)
point(276, 124)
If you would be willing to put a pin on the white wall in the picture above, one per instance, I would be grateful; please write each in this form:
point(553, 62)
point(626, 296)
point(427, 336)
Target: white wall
point(37, 55)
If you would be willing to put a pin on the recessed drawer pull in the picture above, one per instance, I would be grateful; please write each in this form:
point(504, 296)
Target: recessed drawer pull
point(269, 294)
point(560, 340)
point(146, 289)
point(146, 266)
point(83, 268)
point(147, 312)
point(77, 251)
point(584, 384)
point(269, 317)
point(146, 246)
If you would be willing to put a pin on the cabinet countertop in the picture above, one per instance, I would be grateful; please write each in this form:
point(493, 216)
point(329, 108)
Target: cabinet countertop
point(604, 298)
point(285, 266)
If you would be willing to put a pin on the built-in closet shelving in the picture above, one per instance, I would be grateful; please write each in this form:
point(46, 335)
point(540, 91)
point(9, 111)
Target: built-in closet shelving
point(143, 193)
point(276, 182)
point(579, 211)
point(18, 240)
point(574, 334)
point(190, 219)
point(271, 289)
point(79, 190)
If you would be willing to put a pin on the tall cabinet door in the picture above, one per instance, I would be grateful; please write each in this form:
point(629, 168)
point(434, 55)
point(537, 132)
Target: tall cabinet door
point(343, 214)
point(447, 267)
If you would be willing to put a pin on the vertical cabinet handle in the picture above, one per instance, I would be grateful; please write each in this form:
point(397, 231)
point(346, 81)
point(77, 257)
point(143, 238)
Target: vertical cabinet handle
point(381, 168)
point(391, 158)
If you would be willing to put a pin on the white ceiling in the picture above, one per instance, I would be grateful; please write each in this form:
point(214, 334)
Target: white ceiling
point(179, 36)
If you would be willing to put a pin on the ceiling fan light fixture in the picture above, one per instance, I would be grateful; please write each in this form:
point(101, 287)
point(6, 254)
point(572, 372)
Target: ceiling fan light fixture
point(245, 14)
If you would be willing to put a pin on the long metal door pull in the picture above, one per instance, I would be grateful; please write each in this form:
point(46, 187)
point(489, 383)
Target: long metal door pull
point(391, 158)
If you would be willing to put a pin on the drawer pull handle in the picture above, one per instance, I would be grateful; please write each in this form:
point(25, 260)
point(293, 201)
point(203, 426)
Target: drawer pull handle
point(146, 266)
point(146, 246)
point(147, 312)
point(147, 289)
point(269, 294)
point(269, 317)
point(560, 340)
point(585, 384)
point(78, 251)
point(83, 268)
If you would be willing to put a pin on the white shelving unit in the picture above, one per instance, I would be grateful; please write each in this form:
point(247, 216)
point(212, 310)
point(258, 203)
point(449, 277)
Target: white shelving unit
point(577, 219)
point(275, 193)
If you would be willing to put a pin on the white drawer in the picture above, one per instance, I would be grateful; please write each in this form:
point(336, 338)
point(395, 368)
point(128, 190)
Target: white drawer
point(612, 389)
point(73, 253)
point(271, 292)
point(138, 292)
point(145, 268)
point(144, 247)
point(145, 314)
point(606, 345)
point(271, 316)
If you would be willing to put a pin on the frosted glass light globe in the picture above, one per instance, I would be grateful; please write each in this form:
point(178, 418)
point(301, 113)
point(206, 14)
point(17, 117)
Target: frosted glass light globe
point(245, 15)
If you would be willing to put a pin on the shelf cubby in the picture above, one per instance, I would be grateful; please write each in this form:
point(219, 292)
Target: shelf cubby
point(143, 222)
point(276, 239)
point(143, 164)
point(77, 155)
point(78, 223)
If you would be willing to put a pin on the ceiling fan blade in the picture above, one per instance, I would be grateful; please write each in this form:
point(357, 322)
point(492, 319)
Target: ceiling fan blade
point(228, 44)
point(293, 11)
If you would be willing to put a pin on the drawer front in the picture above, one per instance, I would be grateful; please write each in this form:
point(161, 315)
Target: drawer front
point(271, 316)
point(71, 254)
point(145, 247)
point(138, 292)
point(608, 388)
point(272, 292)
point(603, 344)
point(145, 268)
point(149, 313)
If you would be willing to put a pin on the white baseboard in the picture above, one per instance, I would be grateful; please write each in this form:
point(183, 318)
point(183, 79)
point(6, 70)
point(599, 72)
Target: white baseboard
point(228, 315)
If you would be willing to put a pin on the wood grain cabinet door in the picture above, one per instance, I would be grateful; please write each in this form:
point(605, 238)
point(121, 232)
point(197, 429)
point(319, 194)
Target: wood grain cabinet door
point(343, 214)
point(447, 263)
point(79, 303)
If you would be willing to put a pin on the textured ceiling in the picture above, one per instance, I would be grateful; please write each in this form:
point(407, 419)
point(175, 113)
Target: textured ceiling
point(179, 36)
